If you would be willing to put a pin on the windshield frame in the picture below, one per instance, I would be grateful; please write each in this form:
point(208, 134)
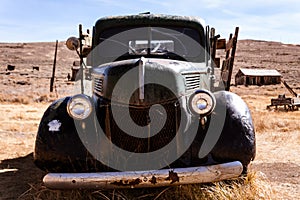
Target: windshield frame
point(151, 20)
point(178, 43)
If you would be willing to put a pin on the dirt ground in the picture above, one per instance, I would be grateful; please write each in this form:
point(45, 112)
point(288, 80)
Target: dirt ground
point(24, 96)
point(278, 139)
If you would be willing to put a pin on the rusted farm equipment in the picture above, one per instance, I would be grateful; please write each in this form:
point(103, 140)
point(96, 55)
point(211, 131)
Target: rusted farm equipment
point(288, 103)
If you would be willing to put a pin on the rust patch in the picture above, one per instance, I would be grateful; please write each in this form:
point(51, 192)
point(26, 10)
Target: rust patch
point(127, 182)
point(173, 177)
point(153, 180)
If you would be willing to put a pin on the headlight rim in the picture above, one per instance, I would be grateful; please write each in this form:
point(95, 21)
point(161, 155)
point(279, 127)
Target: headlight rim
point(212, 98)
point(88, 102)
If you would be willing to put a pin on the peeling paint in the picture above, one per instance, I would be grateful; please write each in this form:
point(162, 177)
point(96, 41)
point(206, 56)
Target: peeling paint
point(127, 182)
point(153, 180)
point(173, 177)
point(54, 125)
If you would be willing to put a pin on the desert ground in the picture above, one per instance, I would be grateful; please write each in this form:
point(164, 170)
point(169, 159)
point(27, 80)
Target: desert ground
point(25, 95)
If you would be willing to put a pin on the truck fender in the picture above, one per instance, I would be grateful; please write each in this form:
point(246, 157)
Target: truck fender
point(237, 140)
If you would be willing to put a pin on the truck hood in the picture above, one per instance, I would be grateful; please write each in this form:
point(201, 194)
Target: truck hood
point(144, 81)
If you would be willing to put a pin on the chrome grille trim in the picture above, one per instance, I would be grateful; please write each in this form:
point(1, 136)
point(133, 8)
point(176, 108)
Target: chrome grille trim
point(98, 85)
point(192, 80)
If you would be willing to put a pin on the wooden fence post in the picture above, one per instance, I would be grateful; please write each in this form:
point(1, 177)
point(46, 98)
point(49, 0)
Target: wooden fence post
point(53, 70)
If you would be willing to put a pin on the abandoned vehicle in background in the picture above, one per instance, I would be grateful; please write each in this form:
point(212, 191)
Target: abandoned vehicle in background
point(287, 103)
point(150, 111)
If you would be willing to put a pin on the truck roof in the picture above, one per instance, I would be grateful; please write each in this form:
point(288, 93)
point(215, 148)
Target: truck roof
point(149, 19)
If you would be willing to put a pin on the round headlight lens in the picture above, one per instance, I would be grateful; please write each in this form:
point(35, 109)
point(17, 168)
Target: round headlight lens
point(79, 107)
point(202, 102)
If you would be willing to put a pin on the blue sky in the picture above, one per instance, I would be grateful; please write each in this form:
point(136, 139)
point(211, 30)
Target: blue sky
point(48, 20)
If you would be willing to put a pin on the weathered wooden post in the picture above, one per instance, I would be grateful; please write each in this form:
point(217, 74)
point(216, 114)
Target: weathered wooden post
point(53, 70)
point(81, 37)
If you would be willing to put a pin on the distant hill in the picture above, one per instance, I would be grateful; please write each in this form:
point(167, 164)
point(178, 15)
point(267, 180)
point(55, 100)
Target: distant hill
point(270, 55)
point(26, 82)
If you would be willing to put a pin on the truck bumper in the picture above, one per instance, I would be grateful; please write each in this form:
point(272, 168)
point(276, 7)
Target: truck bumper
point(143, 179)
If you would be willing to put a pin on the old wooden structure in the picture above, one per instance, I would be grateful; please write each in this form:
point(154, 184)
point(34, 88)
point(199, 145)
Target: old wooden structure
point(227, 65)
point(257, 77)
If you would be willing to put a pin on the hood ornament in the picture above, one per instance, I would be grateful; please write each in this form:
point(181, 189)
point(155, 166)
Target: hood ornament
point(142, 63)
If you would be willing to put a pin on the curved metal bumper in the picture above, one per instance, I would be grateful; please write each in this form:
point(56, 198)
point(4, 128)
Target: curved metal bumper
point(140, 179)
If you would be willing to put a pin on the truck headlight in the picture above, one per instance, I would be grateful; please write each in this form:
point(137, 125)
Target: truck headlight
point(202, 102)
point(79, 106)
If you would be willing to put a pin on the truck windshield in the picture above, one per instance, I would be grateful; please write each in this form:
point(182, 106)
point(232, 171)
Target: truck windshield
point(179, 43)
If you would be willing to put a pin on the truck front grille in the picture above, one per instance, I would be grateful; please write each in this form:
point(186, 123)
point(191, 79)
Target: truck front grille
point(141, 117)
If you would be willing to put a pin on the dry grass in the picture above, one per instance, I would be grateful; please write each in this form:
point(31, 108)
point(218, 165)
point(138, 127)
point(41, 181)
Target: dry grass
point(29, 98)
point(276, 121)
point(20, 118)
point(267, 121)
point(252, 186)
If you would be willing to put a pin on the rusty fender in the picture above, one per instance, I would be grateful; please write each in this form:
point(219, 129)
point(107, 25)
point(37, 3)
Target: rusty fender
point(140, 179)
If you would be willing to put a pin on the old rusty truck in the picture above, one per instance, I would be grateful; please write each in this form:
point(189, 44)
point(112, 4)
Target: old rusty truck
point(153, 108)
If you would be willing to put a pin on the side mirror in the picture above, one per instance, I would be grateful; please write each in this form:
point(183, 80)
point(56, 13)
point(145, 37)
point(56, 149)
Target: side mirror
point(72, 43)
